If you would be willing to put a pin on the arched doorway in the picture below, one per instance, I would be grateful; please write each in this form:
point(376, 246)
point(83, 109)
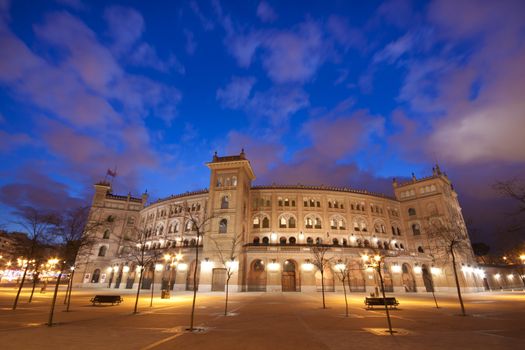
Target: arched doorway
point(427, 279)
point(96, 276)
point(119, 276)
point(257, 277)
point(407, 278)
point(289, 277)
point(148, 277)
point(328, 277)
point(357, 278)
point(191, 271)
point(387, 280)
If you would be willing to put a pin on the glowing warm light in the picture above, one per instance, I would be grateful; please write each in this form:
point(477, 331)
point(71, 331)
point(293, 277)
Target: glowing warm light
point(522, 257)
point(159, 267)
point(301, 237)
point(178, 257)
point(365, 257)
point(510, 276)
point(369, 269)
point(375, 240)
point(125, 269)
point(377, 258)
point(232, 265)
point(53, 261)
point(417, 269)
point(182, 266)
point(167, 257)
point(352, 239)
point(109, 269)
point(115, 268)
point(273, 237)
point(340, 266)
point(435, 270)
point(497, 276)
point(207, 265)
point(307, 266)
point(274, 266)
point(138, 268)
point(396, 268)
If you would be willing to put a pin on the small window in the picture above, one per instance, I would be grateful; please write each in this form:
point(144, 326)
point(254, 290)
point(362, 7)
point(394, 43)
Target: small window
point(256, 240)
point(416, 229)
point(106, 234)
point(225, 202)
point(291, 222)
point(309, 240)
point(256, 222)
point(223, 226)
point(292, 240)
point(411, 211)
point(102, 251)
point(266, 240)
point(420, 249)
point(282, 222)
point(265, 222)
point(282, 240)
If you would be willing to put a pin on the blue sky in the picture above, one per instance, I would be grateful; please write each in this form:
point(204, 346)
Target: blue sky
point(343, 93)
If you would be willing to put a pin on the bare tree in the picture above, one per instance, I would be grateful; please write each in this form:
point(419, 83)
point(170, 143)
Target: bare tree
point(198, 225)
point(37, 225)
point(135, 247)
point(449, 241)
point(343, 272)
point(228, 260)
point(320, 261)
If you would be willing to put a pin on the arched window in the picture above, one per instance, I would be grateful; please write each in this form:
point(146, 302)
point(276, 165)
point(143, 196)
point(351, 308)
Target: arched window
point(106, 234)
point(265, 222)
point(393, 231)
point(256, 240)
point(96, 276)
point(223, 226)
point(386, 245)
point(256, 222)
point(310, 240)
point(411, 211)
point(318, 223)
point(102, 250)
point(398, 231)
point(282, 240)
point(291, 222)
point(282, 222)
point(420, 249)
point(309, 223)
point(318, 240)
point(234, 180)
point(367, 243)
point(345, 242)
point(416, 229)
point(266, 240)
point(335, 241)
point(292, 240)
point(224, 202)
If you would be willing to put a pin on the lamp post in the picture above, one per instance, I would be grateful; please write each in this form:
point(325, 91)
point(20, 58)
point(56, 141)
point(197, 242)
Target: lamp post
point(376, 263)
point(173, 260)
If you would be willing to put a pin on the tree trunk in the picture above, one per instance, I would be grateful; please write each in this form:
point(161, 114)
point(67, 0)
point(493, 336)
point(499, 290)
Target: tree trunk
point(346, 299)
point(67, 290)
point(138, 290)
point(457, 282)
point(152, 287)
point(70, 290)
point(194, 283)
point(35, 277)
point(384, 301)
point(322, 288)
point(15, 304)
point(52, 311)
point(227, 293)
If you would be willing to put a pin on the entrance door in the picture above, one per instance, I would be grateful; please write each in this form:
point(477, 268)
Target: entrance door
point(218, 280)
point(427, 279)
point(288, 277)
point(257, 277)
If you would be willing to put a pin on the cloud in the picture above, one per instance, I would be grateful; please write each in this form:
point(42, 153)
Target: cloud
point(126, 27)
point(265, 12)
point(205, 22)
point(74, 4)
point(11, 141)
point(191, 45)
point(236, 94)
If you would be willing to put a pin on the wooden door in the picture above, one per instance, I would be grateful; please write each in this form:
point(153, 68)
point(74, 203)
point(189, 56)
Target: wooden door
point(288, 281)
point(218, 280)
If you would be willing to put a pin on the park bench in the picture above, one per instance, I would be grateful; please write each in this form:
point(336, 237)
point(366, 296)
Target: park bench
point(371, 302)
point(109, 299)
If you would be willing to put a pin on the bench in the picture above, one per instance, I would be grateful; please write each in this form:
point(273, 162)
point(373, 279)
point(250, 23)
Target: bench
point(109, 299)
point(371, 302)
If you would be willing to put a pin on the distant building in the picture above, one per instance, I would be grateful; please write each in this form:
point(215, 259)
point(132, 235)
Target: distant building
point(278, 226)
point(7, 246)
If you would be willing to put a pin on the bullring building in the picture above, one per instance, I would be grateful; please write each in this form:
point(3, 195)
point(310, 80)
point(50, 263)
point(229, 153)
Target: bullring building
point(274, 229)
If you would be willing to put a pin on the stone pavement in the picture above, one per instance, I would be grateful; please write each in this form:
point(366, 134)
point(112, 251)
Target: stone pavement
point(264, 321)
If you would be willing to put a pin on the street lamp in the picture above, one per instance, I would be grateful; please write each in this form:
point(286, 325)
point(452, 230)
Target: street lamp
point(375, 264)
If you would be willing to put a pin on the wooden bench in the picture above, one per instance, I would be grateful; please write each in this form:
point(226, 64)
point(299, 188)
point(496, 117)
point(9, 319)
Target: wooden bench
point(371, 302)
point(108, 299)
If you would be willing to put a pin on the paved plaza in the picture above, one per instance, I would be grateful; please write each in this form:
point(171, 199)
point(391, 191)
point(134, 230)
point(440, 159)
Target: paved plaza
point(264, 321)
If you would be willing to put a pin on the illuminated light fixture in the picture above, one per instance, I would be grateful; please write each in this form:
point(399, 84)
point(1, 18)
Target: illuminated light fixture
point(510, 276)
point(396, 268)
point(125, 269)
point(207, 265)
point(274, 266)
point(377, 258)
point(341, 266)
point(369, 269)
point(167, 257)
point(115, 268)
point(352, 238)
point(301, 238)
point(375, 239)
point(497, 276)
point(109, 269)
point(522, 257)
point(182, 266)
point(178, 257)
point(365, 257)
point(273, 237)
point(307, 265)
point(72, 268)
point(232, 265)
point(158, 267)
point(138, 268)
point(418, 269)
point(435, 270)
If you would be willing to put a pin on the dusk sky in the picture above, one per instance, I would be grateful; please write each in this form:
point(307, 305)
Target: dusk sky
point(339, 93)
